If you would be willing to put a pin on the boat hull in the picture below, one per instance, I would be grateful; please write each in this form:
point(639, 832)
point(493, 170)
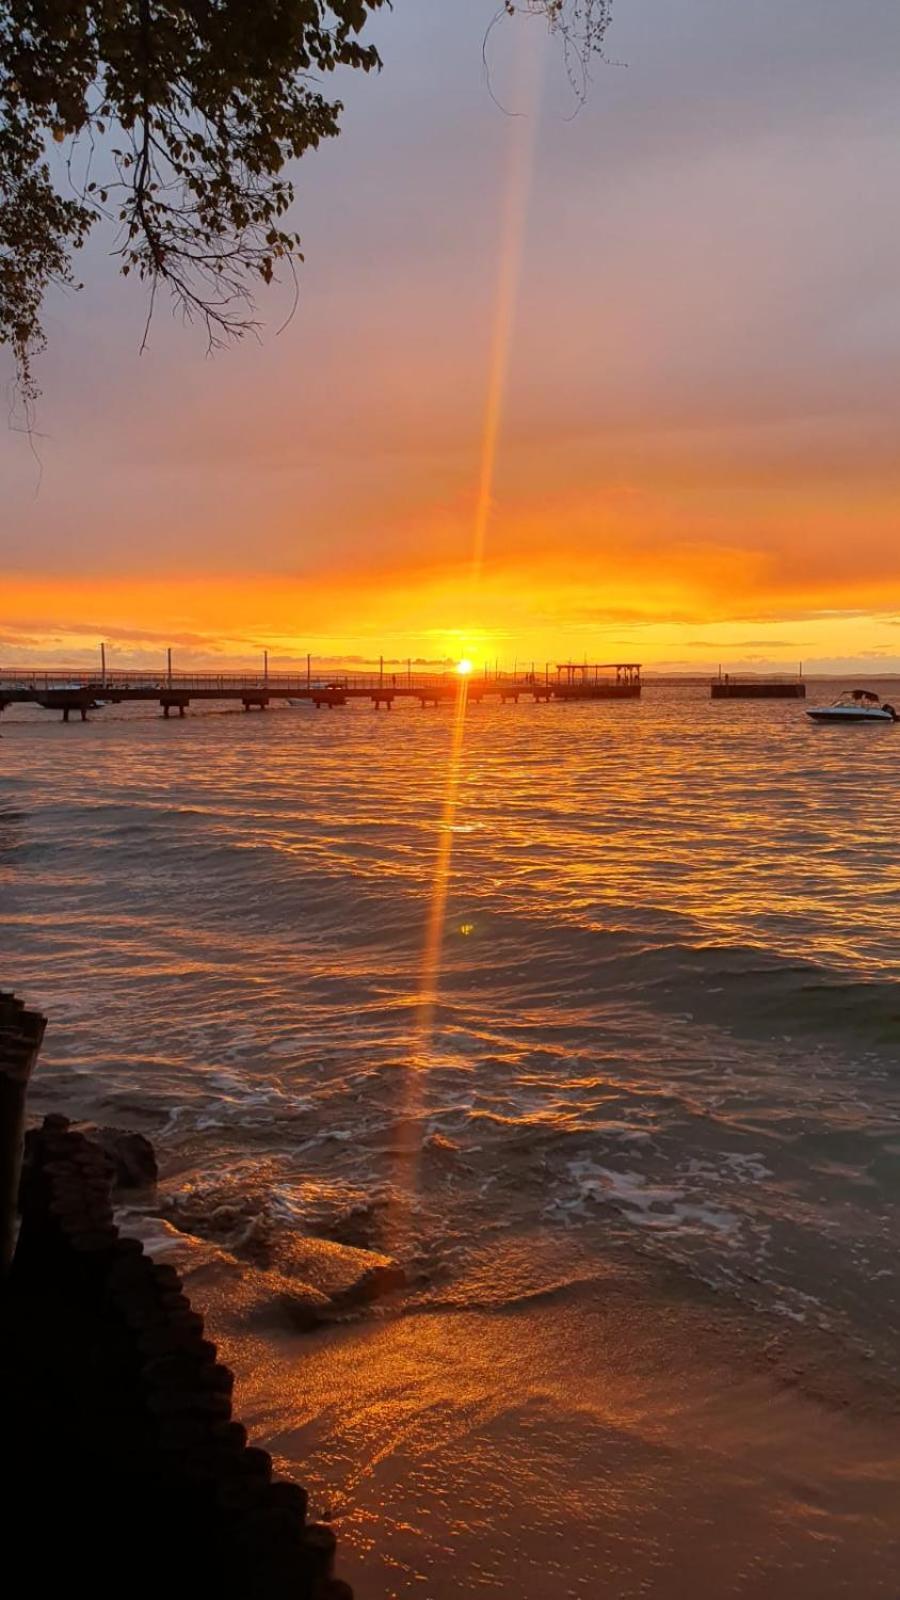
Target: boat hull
point(848, 714)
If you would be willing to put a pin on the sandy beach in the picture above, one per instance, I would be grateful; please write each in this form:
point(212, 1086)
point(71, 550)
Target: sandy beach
point(613, 1438)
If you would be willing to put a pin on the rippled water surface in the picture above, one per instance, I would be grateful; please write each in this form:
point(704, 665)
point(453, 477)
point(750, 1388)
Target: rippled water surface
point(668, 1014)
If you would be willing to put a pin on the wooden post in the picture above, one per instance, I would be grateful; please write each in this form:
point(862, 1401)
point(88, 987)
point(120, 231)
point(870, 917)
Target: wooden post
point(21, 1033)
point(169, 665)
point(103, 665)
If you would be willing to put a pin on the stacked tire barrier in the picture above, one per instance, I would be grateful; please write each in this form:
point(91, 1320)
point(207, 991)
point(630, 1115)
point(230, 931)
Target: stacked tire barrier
point(124, 1460)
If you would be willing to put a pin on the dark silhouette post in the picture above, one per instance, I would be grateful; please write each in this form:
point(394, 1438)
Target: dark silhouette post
point(21, 1033)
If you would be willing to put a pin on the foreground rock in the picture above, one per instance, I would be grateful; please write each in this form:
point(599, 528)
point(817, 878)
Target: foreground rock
point(347, 1275)
point(316, 1280)
point(131, 1155)
point(310, 1280)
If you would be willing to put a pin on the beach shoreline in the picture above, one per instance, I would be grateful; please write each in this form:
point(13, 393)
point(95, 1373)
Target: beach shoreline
point(647, 1340)
point(613, 1438)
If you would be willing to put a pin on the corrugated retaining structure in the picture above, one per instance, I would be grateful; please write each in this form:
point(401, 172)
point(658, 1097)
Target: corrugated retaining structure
point(127, 1472)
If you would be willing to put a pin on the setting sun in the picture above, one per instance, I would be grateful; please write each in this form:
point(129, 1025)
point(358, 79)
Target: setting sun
point(464, 668)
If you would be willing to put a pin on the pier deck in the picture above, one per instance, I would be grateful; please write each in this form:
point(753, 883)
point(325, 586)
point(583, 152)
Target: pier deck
point(728, 688)
point(82, 692)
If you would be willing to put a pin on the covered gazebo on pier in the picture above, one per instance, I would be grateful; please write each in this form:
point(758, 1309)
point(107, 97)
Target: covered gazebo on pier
point(603, 679)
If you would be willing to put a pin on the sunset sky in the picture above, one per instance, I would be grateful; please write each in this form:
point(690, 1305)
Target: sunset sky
point(675, 314)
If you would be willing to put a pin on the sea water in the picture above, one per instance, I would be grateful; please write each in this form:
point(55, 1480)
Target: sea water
point(664, 1024)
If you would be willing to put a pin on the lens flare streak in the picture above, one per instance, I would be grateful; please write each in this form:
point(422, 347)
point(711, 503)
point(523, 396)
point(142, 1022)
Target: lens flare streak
point(520, 159)
point(520, 162)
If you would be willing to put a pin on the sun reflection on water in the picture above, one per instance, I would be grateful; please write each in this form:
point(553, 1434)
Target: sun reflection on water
point(407, 1142)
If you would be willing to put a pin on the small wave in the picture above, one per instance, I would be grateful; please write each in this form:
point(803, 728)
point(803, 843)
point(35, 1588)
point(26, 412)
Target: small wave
point(652, 1206)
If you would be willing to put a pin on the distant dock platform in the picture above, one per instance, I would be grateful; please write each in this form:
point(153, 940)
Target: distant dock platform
point(82, 692)
point(728, 688)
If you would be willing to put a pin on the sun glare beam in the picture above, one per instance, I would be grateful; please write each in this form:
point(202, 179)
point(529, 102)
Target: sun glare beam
point(520, 162)
point(520, 159)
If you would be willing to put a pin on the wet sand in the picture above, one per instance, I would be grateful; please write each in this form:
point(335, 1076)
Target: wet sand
point(604, 1440)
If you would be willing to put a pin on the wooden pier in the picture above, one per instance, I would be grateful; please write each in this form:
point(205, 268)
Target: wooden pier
point(81, 692)
point(729, 688)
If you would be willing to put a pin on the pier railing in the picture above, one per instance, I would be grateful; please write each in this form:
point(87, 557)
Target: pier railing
point(757, 677)
point(77, 677)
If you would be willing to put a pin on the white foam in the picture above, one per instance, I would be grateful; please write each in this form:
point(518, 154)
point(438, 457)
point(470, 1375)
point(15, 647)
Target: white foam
point(746, 1168)
point(663, 1209)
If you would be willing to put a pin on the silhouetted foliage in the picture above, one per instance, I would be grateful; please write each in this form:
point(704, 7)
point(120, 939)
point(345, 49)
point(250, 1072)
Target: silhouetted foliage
point(581, 25)
point(177, 119)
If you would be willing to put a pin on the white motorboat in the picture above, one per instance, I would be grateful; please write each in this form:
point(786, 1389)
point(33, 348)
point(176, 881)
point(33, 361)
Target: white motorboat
point(855, 705)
